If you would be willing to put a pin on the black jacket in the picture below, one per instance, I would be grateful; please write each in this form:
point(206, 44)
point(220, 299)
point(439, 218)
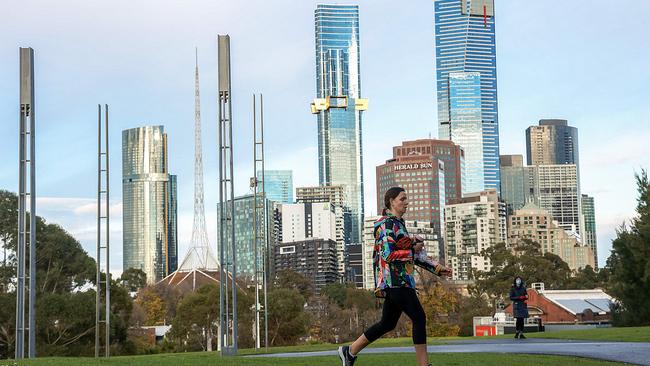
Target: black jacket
point(519, 307)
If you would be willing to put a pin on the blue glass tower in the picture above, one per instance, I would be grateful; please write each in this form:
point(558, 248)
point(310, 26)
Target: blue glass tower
point(465, 66)
point(278, 185)
point(338, 106)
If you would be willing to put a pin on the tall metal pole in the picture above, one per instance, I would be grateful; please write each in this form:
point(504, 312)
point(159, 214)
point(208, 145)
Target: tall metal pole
point(26, 240)
point(267, 244)
point(108, 248)
point(228, 296)
point(254, 183)
point(103, 196)
point(260, 229)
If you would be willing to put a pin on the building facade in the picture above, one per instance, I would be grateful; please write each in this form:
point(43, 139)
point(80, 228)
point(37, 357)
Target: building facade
point(278, 185)
point(552, 142)
point(244, 235)
point(536, 224)
point(148, 213)
point(335, 195)
point(512, 182)
point(556, 188)
point(467, 86)
point(423, 178)
point(172, 220)
point(451, 154)
point(589, 217)
point(473, 224)
point(313, 258)
point(338, 106)
point(354, 264)
point(301, 221)
point(368, 249)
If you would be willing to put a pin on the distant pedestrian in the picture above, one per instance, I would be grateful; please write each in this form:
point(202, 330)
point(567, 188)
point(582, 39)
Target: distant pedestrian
point(394, 255)
point(518, 295)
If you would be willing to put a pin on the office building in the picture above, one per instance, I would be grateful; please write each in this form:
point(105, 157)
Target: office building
point(338, 106)
point(148, 203)
point(278, 185)
point(552, 142)
point(312, 258)
point(512, 182)
point(589, 217)
point(466, 87)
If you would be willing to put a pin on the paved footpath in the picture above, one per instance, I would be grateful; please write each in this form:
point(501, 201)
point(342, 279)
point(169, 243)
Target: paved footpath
point(631, 352)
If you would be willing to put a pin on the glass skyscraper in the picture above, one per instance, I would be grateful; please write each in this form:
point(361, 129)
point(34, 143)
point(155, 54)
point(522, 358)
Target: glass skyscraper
point(467, 86)
point(339, 104)
point(552, 142)
point(513, 185)
point(172, 212)
point(147, 207)
point(278, 185)
point(243, 222)
point(589, 217)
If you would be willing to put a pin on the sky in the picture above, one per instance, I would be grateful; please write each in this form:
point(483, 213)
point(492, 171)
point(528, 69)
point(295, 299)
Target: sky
point(583, 60)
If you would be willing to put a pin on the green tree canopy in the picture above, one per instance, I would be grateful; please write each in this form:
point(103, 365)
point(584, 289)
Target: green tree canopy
point(629, 262)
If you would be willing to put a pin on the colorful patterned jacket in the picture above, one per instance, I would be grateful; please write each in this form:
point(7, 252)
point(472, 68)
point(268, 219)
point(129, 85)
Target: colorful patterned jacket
point(393, 256)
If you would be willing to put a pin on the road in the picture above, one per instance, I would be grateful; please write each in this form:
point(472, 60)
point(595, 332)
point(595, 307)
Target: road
point(630, 352)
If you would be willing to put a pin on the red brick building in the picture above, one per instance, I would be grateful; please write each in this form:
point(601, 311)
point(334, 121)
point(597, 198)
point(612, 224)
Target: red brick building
point(567, 306)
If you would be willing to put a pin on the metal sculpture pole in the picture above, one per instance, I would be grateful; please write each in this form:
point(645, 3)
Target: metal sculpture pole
point(26, 235)
point(103, 194)
point(227, 254)
point(260, 229)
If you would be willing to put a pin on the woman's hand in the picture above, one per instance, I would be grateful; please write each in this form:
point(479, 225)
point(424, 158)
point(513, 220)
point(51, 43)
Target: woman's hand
point(446, 272)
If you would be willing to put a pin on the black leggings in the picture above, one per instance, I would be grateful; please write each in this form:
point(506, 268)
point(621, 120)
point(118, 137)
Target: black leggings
point(400, 300)
point(519, 326)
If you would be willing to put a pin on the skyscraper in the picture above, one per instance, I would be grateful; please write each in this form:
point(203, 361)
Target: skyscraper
point(243, 225)
point(589, 217)
point(552, 142)
point(512, 182)
point(172, 221)
point(451, 154)
point(556, 188)
point(278, 185)
point(467, 86)
point(338, 106)
point(145, 198)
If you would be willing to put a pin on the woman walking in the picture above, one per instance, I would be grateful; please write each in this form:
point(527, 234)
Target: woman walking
point(519, 295)
point(394, 254)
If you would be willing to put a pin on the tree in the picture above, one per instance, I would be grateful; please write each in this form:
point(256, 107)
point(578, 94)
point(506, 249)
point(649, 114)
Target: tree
point(65, 310)
point(629, 263)
point(153, 306)
point(62, 264)
point(287, 318)
point(195, 327)
point(7, 324)
point(290, 279)
point(587, 278)
point(523, 258)
point(440, 305)
point(133, 279)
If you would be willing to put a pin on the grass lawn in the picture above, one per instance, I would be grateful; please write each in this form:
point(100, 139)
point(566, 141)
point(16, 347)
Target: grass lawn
point(629, 334)
point(212, 359)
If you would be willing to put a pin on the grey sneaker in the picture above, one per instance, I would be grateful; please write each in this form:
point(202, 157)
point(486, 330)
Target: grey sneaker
point(346, 358)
